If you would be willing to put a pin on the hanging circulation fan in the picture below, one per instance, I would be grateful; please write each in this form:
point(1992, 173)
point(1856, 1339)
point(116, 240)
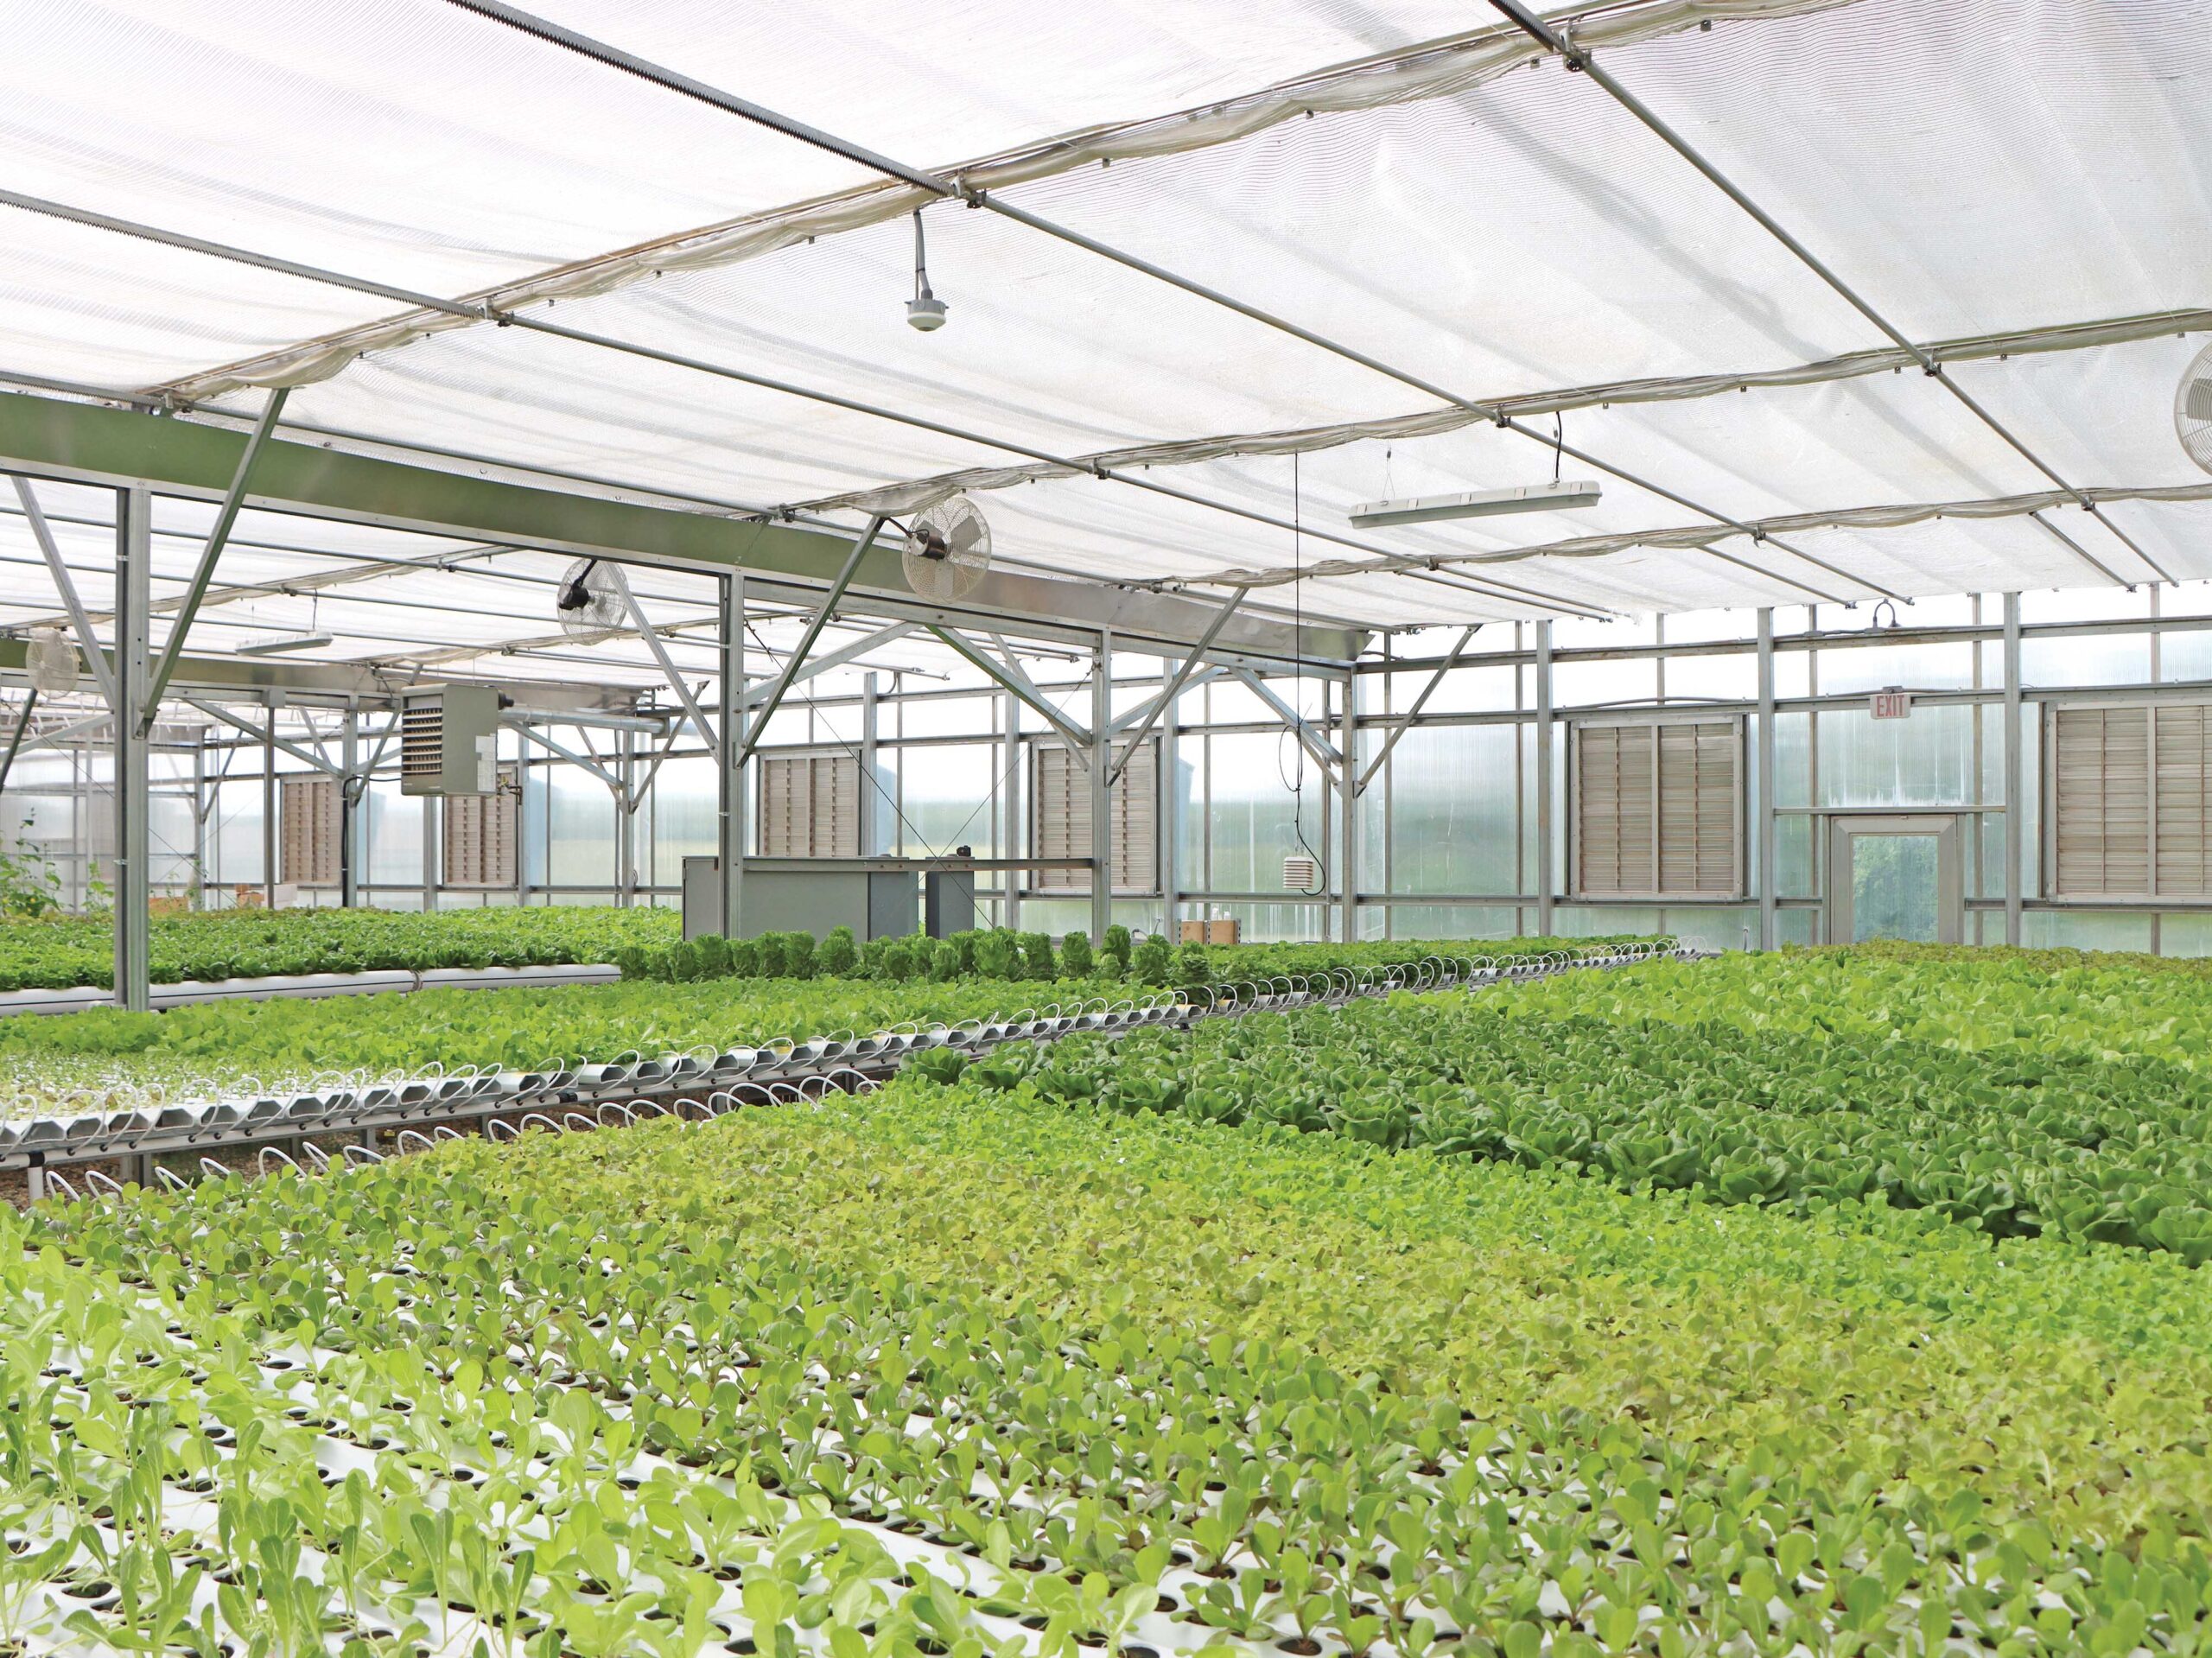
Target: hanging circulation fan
point(2193, 409)
point(51, 661)
point(948, 550)
point(590, 599)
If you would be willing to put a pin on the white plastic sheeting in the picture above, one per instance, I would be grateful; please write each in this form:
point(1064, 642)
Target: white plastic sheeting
point(1414, 179)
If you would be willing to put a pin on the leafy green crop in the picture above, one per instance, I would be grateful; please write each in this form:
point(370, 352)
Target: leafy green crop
point(2009, 1139)
point(60, 952)
point(1303, 1387)
point(999, 954)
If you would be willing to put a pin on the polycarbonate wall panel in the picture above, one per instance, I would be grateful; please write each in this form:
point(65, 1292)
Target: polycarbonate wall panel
point(1925, 761)
point(1453, 806)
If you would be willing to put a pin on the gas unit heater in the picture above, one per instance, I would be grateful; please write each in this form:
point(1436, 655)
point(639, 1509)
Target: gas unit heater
point(449, 741)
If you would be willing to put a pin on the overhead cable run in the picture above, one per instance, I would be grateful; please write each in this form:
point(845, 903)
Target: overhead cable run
point(952, 190)
point(1580, 59)
point(1503, 592)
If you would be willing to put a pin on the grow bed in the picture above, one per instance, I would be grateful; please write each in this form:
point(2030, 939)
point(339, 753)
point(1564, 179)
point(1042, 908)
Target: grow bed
point(950, 1370)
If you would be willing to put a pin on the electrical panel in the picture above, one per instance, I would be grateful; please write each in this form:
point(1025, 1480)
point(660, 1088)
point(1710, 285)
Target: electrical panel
point(449, 741)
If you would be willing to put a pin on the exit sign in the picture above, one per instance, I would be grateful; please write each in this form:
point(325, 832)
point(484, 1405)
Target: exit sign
point(1893, 705)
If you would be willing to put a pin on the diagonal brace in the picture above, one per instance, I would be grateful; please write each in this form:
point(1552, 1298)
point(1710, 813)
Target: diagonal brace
point(532, 734)
point(820, 619)
point(1173, 689)
point(227, 515)
point(1412, 713)
point(836, 658)
point(1010, 676)
point(15, 742)
point(651, 636)
point(1316, 744)
point(216, 711)
point(1143, 710)
point(42, 533)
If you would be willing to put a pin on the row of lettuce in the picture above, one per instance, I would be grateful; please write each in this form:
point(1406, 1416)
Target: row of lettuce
point(960, 1365)
point(1655, 1080)
point(106, 1060)
point(1001, 954)
point(63, 952)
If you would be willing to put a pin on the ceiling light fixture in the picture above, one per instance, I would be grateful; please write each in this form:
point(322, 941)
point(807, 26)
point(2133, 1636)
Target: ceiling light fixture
point(1553, 497)
point(288, 642)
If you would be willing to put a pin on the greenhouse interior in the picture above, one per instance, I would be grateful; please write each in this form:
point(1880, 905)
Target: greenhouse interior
point(1365, 831)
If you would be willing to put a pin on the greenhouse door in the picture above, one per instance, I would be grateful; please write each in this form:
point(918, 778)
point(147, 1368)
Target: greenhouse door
point(1894, 878)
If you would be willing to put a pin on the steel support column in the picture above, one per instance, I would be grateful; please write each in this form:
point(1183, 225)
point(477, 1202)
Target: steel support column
point(267, 807)
point(729, 769)
point(1168, 848)
point(353, 790)
point(1348, 785)
point(1544, 778)
point(133, 846)
point(871, 814)
point(1017, 820)
point(2015, 807)
point(1770, 878)
point(1102, 792)
point(433, 849)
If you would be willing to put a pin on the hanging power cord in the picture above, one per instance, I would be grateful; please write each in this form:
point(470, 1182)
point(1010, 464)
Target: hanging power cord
point(1297, 780)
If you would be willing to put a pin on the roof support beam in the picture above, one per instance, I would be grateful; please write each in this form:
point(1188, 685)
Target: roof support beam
point(227, 515)
point(90, 443)
point(814, 626)
point(1888, 516)
point(1431, 422)
point(43, 534)
point(948, 189)
point(1578, 57)
point(1008, 673)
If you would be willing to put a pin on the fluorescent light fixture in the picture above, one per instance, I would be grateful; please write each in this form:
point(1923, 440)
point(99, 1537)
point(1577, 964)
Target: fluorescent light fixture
point(278, 647)
point(1481, 503)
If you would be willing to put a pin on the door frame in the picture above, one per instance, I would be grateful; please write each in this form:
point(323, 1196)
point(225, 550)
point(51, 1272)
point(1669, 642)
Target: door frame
point(1950, 888)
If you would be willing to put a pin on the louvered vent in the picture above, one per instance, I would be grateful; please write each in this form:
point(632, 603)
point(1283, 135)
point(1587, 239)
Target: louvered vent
point(1658, 810)
point(1060, 818)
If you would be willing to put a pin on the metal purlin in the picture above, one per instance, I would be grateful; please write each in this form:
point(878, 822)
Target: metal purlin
point(480, 312)
point(1586, 63)
point(948, 189)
